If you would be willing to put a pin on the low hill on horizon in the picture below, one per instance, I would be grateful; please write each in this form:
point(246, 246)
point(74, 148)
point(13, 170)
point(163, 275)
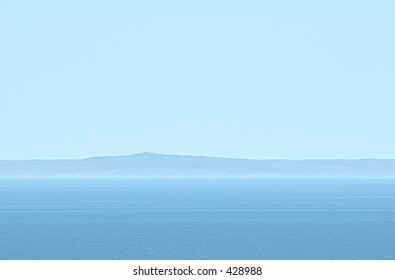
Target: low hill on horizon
point(143, 165)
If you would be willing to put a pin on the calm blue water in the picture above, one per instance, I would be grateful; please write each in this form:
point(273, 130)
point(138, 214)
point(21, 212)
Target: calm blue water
point(197, 219)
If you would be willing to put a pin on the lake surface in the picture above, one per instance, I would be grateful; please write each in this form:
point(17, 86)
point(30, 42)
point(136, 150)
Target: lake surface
point(197, 219)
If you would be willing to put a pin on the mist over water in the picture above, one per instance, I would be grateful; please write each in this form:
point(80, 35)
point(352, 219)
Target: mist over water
point(197, 219)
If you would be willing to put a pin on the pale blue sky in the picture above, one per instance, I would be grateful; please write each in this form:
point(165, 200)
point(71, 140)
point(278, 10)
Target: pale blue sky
point(247, 79)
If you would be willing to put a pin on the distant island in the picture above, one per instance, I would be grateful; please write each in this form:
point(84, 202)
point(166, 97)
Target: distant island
point(151, 165)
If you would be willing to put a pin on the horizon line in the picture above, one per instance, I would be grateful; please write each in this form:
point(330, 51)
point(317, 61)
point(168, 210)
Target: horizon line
point(188, 155)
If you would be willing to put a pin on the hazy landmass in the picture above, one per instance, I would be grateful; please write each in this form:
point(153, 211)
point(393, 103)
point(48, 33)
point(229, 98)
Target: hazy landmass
point(144, 165)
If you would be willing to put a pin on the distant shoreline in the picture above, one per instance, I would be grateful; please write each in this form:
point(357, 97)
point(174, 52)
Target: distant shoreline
point(150, 165)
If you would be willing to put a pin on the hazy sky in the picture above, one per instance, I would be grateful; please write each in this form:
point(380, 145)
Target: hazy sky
point(248, 79)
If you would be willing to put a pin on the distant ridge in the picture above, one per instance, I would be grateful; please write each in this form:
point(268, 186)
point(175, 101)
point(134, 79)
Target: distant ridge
point(147, 164)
